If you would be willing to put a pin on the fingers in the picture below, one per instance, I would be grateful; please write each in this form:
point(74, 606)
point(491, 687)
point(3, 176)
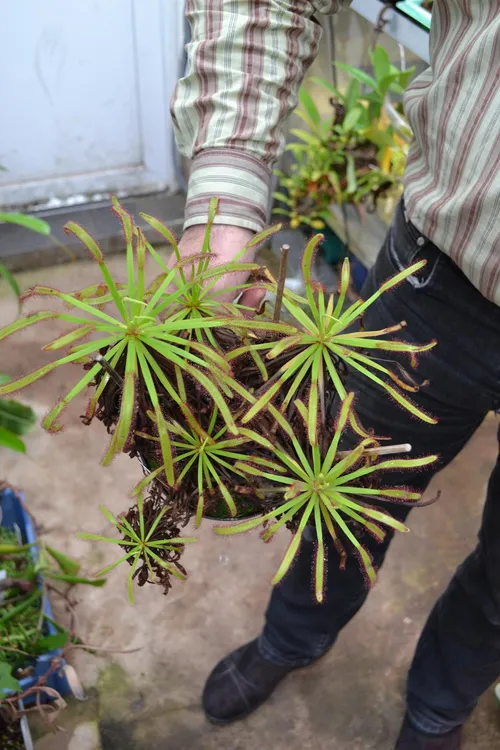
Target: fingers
point(225, 242)
point(252, 298)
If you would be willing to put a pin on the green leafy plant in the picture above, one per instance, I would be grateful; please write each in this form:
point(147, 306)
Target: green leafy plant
point(199, 298)
point(27, 631)
point(16, 419)
point(32, 223)
point(209, 454)
point(355, 156)
point(23, 620)
point(321, 487)
point(152, 351)
point(323, 340)
point(215, 401)
point(148, 543)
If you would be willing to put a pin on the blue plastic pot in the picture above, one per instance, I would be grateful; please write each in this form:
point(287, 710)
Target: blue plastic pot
point(15, 517)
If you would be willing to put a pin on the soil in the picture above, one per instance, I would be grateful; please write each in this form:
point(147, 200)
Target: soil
point(11, 737)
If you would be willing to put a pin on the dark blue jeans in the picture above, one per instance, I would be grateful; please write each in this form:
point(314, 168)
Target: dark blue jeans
point(458, 655)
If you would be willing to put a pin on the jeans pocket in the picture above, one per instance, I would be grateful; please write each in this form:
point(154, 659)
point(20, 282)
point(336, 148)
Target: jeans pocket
point(407, 246)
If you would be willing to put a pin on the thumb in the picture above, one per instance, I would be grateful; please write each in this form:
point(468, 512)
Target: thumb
point(226, 242)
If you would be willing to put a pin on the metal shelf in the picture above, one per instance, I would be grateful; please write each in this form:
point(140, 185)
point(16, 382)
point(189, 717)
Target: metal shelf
point(402, 29)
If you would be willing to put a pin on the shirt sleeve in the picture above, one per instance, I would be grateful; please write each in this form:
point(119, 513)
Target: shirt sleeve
point(246, 62)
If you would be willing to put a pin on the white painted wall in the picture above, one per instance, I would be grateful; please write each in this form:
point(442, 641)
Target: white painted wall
point(84, 94)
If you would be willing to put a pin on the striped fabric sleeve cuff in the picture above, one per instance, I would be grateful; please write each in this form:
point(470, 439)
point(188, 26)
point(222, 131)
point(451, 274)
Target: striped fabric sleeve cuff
point(240, 180)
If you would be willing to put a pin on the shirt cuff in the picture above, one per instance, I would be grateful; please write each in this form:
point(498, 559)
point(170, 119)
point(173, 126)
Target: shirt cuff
point(240, 180)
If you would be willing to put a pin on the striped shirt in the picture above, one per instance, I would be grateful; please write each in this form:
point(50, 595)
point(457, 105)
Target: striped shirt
point(246, 62)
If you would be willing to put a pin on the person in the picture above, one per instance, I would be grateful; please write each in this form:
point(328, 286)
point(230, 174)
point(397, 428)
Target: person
point(247, 59)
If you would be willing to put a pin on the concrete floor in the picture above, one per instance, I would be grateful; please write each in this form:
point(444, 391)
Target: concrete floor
point(351, 700)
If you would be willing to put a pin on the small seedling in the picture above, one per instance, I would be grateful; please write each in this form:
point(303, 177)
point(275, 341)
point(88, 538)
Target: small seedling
point(147, 549)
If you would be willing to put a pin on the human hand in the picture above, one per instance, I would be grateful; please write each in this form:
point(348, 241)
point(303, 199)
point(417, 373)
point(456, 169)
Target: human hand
point(226, 243)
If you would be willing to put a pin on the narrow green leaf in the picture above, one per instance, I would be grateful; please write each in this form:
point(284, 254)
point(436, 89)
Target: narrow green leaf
point(352, 119)
point(381, 63)
point(88, 537)
point(73, 301)
point(124, 427)
point(359, 75)
point(66, 339)
point(9, 278)
point(51, 642)
point(365, 557)
point(320, 555)
point(294, 545)
point(327, 85)
point(339, 428)
point(8, 683)
point(261, 237)
point(252, 523)
point(357, 309)
point(74, 580)
point(128, 233)
point(28, 222)
point(308, 105)
point(11, 441)
point(73, 228)
point(130, 581)
point(109, 568)
point(311, 140)
point(108, 278)
point(28, 320)
point(67, 564)
point(49, 421)
point(155, 524)
point(405, 402)
point(16, 417)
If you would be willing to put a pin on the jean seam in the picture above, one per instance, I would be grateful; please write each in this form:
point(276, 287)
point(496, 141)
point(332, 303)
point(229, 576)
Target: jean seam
point(423, 284)
point(412, 280)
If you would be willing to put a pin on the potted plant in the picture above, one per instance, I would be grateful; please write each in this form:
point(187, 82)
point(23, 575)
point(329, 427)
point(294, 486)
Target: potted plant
point(32, 644)
point(356, 156)
point(231, 414)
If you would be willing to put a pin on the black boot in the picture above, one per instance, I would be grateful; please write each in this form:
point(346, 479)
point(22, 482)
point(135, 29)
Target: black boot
point(410, 739)
point(239, 684)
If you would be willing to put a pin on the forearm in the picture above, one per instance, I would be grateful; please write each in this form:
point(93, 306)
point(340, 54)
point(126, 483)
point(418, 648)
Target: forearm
point(246, 63)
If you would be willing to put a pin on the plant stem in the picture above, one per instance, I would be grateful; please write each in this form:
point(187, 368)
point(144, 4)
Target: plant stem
point(281, 282)
point(383, 450)
point(110, 370)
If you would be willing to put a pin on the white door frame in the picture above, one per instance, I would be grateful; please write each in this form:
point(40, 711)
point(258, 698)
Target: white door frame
point(158, 38)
